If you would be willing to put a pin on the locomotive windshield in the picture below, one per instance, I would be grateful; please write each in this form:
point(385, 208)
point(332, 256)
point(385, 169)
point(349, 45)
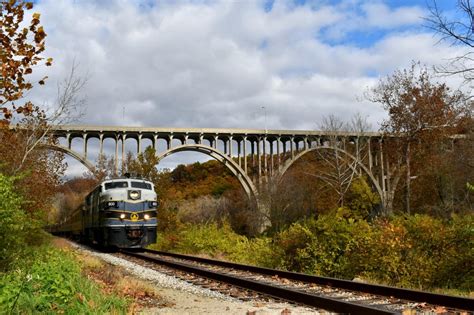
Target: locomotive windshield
point(141, 185)
point(113, 185)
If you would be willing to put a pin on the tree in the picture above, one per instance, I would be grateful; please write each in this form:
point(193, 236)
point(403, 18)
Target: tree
point(21, 51)
point(339, 170)
point(145, 164)
point(24, 128)
point(422, 115)
point(458, 32)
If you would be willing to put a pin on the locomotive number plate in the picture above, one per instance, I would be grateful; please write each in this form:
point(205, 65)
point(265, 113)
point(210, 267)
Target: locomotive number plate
point(134, 217)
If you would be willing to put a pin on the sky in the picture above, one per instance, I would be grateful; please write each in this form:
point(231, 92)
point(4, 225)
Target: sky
point(234, 64)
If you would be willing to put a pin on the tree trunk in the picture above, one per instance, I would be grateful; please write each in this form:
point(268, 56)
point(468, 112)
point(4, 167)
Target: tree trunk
point(408, 187)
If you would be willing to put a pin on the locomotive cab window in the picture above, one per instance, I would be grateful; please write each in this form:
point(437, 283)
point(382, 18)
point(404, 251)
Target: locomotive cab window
point(113, 185)
point(141, 185)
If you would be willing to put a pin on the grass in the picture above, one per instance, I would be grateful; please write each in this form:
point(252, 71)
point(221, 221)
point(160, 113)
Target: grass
point(51, 282)
point(57, 279)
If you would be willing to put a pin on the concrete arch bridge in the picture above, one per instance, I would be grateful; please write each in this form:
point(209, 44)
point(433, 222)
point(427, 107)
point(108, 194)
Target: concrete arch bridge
point(254, 156)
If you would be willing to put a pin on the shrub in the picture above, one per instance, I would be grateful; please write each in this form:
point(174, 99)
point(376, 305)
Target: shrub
point(455, 271)
point(16, 228)
point(53, 284)
point(218, 241)
point(319, 246)
point(417, 251)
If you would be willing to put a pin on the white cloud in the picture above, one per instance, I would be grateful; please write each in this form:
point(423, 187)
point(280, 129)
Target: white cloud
point(216, 63)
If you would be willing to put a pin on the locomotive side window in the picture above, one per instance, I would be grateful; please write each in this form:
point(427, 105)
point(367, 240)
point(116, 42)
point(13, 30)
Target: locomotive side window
point(141, 185)
point(113, 185)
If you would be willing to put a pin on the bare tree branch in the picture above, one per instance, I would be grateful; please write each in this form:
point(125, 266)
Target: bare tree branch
point(69, 108)
point(459, 32)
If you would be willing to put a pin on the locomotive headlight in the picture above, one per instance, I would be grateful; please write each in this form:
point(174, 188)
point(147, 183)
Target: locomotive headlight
point(146, 216)
point(153, 203)
point(122, 216)
point(134, 194)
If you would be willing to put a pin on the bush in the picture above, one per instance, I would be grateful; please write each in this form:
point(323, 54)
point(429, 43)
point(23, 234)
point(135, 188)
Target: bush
point(319, 246)
point(455, 271)
point(218, 241)
point(417, 251)
point(53, 284)
point(17, 229)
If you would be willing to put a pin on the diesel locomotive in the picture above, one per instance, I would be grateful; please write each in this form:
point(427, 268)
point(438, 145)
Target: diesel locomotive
point(117, 213)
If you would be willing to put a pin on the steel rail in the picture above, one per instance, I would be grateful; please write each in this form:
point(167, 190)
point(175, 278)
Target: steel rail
point(293, 295)
point(456, 302)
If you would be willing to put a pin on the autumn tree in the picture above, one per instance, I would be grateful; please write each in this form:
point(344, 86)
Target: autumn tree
point(22, 48)
point(422, 116)
point(21, 51)
point(24, 127)
point(145, 164)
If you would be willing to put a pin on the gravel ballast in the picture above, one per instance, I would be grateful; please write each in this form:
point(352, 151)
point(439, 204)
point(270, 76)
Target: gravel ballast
point(187, 298)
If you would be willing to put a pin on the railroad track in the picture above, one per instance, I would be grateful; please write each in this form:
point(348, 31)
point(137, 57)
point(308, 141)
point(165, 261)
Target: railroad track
point(336, 295)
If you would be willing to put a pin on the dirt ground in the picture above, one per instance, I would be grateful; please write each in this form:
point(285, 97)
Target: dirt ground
point(185, 303)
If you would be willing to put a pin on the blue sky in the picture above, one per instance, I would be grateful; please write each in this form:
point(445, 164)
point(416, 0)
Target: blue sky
point(216, 63)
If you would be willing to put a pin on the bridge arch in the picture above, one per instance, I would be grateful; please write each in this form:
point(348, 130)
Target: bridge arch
point(71, 153)
point(242, 177)
point(372, 178)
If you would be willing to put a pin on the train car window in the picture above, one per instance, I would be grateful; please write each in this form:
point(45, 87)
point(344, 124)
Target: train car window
point(141, 185)
point(113, 185)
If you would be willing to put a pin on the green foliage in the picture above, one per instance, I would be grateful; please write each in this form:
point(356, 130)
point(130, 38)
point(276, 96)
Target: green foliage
point(199, 179)
point(319, 246)
point(220, 187)
point(416, 251)
point(470, 187)
point(51, 282)
point(145, 164)
point(218, 241)
point(16, 227)
point(361, 198)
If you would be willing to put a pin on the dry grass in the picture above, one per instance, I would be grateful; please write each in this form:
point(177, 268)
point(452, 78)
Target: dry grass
point(114, 280)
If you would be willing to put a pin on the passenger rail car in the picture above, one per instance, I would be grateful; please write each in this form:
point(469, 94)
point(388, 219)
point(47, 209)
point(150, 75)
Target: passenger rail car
point(119, 212)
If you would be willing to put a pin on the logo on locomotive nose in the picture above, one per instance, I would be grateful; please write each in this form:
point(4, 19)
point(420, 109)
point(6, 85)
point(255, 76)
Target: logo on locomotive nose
point(134, 217)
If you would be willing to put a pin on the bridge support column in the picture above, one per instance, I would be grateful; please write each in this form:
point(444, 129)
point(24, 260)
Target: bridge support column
point(265, 163)
point(230, 146)
point(252, 152)
point(278, 152)
point(245, 153)
point(239, 142)
point(271, 157)
point(116, 154)
point(259, 161)
point(101, 144)
point(154, 141)
point(168, 142)
point(291, 148)
point(226, 148)
point(124, 136)
point(84, 136)
point(69, 141)
point(139, 144)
